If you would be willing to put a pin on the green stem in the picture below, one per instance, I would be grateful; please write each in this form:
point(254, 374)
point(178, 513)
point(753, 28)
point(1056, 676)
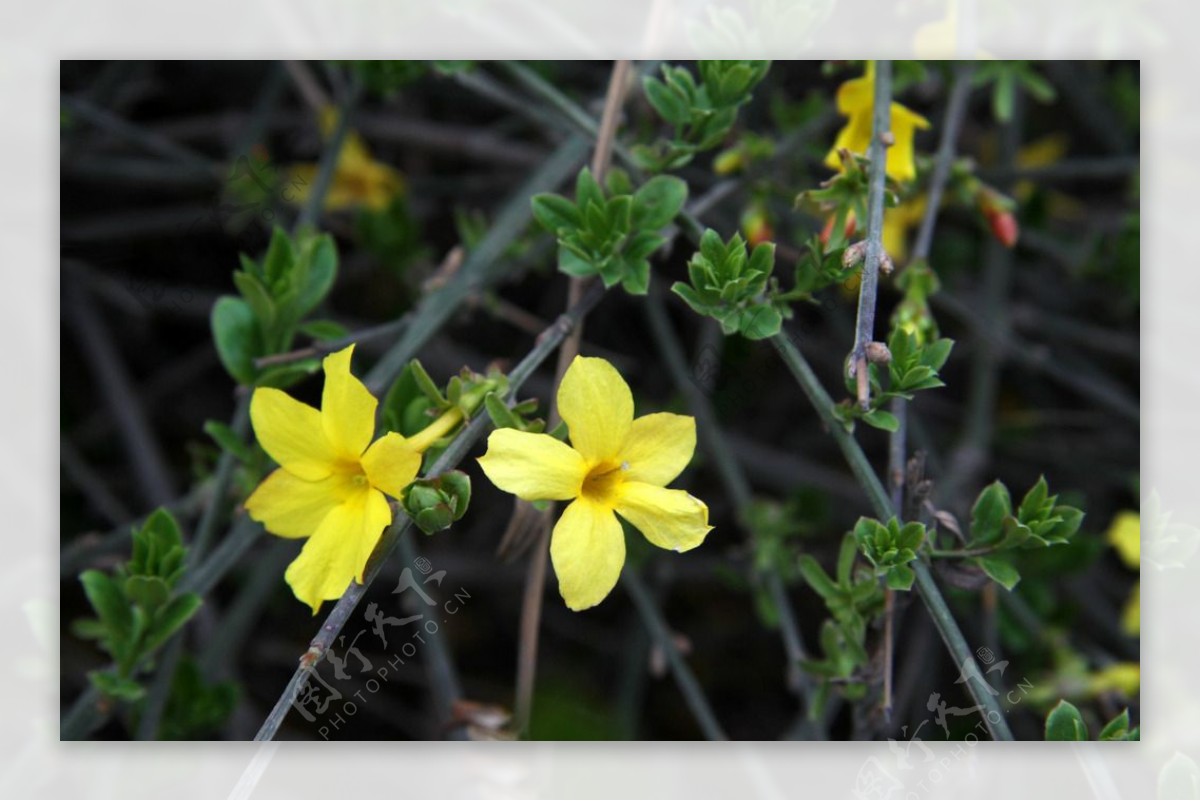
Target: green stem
point(952, 636)
point(684, 678)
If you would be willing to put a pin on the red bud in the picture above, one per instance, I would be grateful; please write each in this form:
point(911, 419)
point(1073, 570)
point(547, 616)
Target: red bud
point(1004, 226)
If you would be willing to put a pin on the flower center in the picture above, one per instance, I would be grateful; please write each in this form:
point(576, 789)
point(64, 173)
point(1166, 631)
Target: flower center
point(601, 482)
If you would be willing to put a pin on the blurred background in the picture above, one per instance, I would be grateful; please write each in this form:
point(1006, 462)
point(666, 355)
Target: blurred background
point(170, 170)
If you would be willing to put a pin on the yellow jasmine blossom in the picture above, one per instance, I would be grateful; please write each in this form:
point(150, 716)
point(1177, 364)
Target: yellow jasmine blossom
point(358, 179)
point(332, 481)
point(855, 99)
point(1125, 536)
point(615, 465)
point(1119, 677)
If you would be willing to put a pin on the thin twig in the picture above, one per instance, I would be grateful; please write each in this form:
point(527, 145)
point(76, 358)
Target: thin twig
point(547, 343)
point(684, 678)
point(325, 347)
point(864, 331)
point(956, 108)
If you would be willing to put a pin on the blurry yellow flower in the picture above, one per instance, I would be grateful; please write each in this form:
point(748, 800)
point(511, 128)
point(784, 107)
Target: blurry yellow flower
point(331, 483)
point(1120, 677)
point(1131, 615)
point(358, 179)
point(897, 222)
point(855, 99)
point(1125, 536)
point(614, 464)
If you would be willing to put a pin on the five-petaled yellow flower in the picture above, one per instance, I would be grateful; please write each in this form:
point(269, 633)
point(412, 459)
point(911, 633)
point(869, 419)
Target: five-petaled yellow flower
point(856, 99)
point(358, 179)
point(614, 464)
point(332, 480)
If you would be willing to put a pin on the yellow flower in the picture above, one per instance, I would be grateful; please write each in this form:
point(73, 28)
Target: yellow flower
point(1125, 536)
point(855, 99)
point(331, 483)
point(358, 179)
point(614, 464)
point(1119, 677)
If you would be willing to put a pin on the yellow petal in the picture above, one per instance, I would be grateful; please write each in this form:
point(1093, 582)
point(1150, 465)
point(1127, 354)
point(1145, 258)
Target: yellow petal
point(658, 447)
point(588, 551)
point(292, 433)
point(597, 406)
point(855, 136)
point(855, 96)
point(292, 507)
point(670, 519)
point(534, 467)
point(337, 552)
point(391, 465)
point(1125, 535)
point(347, 408)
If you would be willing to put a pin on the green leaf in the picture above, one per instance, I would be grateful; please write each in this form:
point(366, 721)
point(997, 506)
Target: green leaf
point(258, 297)
point(587, 191)
point(109, 603)
point(761, 322)
point(150, 592)
point(1000, 570)
point(283, 376)
point(573, 264)
point(1072, 519)
point(236, 335)
point(1031, 505)
point(670, 105)
point(113, 686)
point(878, 418)
point(636, 280)
point(555, 213)
point(935, 354)
point(280, 258)
point(320, 260)
point(501, 415)
point(224, 436)
point(987, 516)
point(816, 577)
point(657, 202)
point(171, 618)
point(324, 330)
point(1117, 728)
point(900, 577)
point(1065, 723)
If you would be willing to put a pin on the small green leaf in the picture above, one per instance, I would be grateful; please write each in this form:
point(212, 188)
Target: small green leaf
point(109, 603)
point(224, 436)
point(878, 418)
point(1065, 723)
point(636, 280)
point(1117, 728)
point(587, 191)
point(324, 330)
point(1000, 570)
point(258, 297)
point(555, 213)
point(657, 202)
point(761, 322)
point(319, 259)
point(171, 618)
point(501, 415)
point(236, 335)
point(816, 577)
point(150, 592)
point(987, 516)
point(113, 686)
point(670, 105)
point(1031, 504)
point(900, 577)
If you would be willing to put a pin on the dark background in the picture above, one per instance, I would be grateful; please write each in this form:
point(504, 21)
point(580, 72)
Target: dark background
point(146, 250)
